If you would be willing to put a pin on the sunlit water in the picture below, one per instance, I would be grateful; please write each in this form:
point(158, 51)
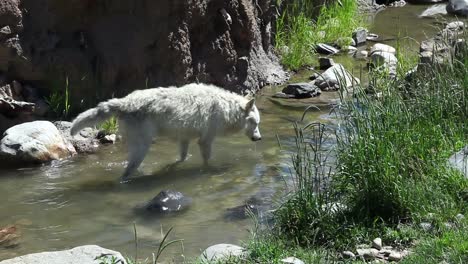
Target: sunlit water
point(80, 201)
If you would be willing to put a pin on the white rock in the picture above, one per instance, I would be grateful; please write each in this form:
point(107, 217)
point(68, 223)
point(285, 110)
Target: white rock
point(377, 243)
point(368, 253)
point(394, 256)
point(79, 255)
point(37, 142)
point(459, 161)
point(222, 251)
point(334, 76)
point(382, 47)
point(348, 255)
point(292, 260)
point(386, 61)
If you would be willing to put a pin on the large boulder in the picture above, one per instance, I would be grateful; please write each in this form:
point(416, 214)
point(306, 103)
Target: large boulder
point(34, 142)
point(89, 254)
point(335, 77)
point(385, 61)
point(109, 48)
point(458, 7)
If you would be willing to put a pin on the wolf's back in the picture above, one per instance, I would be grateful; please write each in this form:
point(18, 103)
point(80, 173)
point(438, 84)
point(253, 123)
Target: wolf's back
point(94, 116)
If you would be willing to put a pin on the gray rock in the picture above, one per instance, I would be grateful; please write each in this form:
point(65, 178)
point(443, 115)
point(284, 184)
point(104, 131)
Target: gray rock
point(292, 260)
point(459, 160)
point(368, 253)
point(360, 36)
point(302, 90)
point(326, 49)
point(361, 55)
point(382, 48)
point(325, 63)
point(84, 142)
point(458, 7)
point(34, 142)
point(219, 252)
point(89, 254)
point(334, 77)
point(377, 243)
point(384, 61)
point(167, 201)
point(348, 255)
point(459, 217)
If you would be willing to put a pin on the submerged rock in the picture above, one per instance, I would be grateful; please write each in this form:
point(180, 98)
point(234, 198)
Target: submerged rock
point(302, 90)
point(434, 11)
point(89, 254)
point(167, 201)
point(34, 142)
point(219, 252)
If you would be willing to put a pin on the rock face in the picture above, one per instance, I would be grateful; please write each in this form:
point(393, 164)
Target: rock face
point(80, 255)
point(458, 7)
point(109, 48)
point(34, 142)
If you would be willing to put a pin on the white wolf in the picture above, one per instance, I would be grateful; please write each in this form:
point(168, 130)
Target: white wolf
point(192, 111)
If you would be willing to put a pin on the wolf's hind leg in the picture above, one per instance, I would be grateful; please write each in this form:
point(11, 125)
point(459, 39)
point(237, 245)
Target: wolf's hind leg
point(205, 149)
point(183, 145)
point(139, 141)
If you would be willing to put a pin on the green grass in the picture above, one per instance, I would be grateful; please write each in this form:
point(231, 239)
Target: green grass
point(298, 29)
point(391, 175)
point(110, 126)
point(59, 101)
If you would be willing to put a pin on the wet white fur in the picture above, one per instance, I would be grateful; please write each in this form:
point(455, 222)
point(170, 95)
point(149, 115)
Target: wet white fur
point(192, 111)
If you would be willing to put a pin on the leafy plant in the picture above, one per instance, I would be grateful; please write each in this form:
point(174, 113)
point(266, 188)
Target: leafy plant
point(59, 101)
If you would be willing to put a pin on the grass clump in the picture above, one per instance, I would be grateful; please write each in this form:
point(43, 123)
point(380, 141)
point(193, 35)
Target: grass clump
point(299, 28)
point(59, 101)
point(110, 126)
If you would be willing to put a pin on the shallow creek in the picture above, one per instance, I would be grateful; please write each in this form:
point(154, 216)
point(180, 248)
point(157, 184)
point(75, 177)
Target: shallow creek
point(80, 201)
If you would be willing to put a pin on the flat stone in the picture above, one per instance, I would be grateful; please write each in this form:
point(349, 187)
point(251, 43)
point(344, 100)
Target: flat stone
point(89, 254)
point(326, 49)
point(302, 90)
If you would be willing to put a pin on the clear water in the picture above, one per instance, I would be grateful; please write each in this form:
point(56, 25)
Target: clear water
point(80, 201)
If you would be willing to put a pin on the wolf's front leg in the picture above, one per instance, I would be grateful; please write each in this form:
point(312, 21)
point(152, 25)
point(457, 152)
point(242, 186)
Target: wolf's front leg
point(183, 145)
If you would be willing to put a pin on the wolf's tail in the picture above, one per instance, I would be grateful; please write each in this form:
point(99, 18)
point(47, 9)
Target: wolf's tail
point(94, 116)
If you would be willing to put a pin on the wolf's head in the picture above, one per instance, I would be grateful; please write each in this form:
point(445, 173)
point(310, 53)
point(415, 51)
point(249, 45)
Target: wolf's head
point(252, 119)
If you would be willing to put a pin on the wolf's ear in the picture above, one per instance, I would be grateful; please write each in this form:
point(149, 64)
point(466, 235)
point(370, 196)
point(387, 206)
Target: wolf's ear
point(250, 104)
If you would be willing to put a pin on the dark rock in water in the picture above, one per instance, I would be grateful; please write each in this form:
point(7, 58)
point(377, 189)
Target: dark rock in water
point(360, 36)
point(326, 49)
point(458, 7)
point(254, 205)
point(302, 90)
point(282, 95)
point(325, 63)
point(166, 202)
